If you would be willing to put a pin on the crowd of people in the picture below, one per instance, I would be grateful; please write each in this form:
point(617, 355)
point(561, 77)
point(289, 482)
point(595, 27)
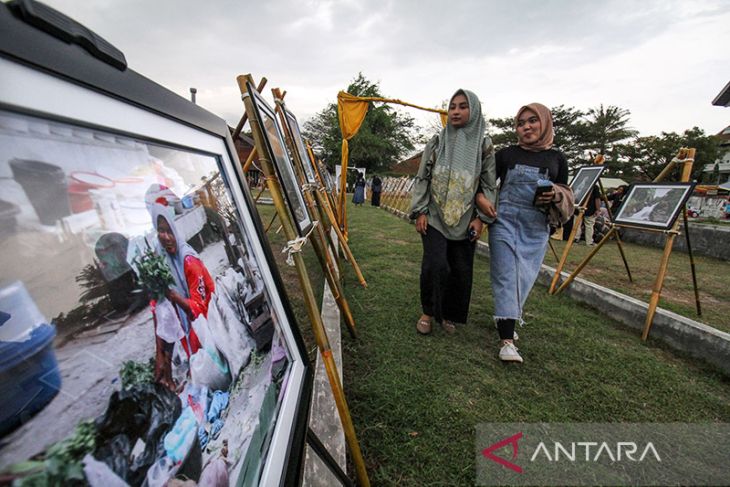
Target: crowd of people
point(463, 186)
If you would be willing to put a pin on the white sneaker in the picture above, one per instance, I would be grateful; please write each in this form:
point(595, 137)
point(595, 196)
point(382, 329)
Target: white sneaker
point(508, 353)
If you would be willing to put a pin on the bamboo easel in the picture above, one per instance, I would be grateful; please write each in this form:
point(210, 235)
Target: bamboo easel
point(246, 85)
point(685, 157)
point(581, 208)
point(320, 242)
point(325, 204)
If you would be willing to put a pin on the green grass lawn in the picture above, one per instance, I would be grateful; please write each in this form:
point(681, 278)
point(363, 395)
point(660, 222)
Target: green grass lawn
point(416, 400)
point(607, 269)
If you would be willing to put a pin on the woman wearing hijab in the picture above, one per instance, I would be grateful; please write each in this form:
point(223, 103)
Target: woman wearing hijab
point(190, 295)
point(359, 197)
point(455, 164)
point(518, 237)
point(375, 189)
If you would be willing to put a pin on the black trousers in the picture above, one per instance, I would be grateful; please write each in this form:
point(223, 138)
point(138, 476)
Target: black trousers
point(446, 274)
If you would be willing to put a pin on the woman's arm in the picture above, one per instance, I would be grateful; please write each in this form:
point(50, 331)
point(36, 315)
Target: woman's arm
point(421, 193)
point(487, 195)
point(200, 286)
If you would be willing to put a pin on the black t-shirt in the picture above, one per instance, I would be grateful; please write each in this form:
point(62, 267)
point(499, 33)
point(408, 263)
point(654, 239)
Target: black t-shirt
point(552, 159)
point(592, 208)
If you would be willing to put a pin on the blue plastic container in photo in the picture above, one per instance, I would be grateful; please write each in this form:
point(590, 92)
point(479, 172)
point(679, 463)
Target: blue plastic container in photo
point(29, 373)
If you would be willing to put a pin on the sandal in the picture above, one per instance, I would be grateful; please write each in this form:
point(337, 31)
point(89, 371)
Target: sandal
point(423, 327)
point(448, 326)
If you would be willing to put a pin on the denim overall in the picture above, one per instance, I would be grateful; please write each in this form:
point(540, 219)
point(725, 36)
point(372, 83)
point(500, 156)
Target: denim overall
point(517, 242)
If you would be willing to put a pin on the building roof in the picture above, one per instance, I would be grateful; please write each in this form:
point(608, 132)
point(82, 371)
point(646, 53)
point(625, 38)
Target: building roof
point(723, 98)
point(408, 166)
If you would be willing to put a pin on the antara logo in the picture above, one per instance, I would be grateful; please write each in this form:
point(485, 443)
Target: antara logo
point(590, 451)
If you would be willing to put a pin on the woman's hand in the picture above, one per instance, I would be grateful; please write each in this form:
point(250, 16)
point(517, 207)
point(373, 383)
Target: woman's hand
point(475, 228)
point(486, 206)
point(422, 223)
point(544, 199)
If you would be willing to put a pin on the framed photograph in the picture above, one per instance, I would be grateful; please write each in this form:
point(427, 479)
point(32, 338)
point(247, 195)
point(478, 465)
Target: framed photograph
point(142, 319)
point(653, 205)
point(583, 182)
point(296, 134)
point(280, 158)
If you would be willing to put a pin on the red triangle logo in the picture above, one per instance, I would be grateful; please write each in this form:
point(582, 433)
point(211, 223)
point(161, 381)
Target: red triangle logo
point(512, 440)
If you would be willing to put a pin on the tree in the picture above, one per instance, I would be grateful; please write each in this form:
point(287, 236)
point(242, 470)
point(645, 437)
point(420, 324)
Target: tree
point(645, 157)
point(385, 137)
point(606, 128)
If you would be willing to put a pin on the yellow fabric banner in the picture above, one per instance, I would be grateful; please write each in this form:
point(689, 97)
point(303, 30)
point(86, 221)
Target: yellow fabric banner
point(351, 111)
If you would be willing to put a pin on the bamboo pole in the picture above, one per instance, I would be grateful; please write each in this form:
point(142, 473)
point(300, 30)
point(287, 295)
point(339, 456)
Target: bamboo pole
point(617, 236)
point(656, 290)
point(312, 309)
point(244, 117)
point(577, 221)
point(324, 203)
point(585, 261)
point(249, 160)
point(318, 238)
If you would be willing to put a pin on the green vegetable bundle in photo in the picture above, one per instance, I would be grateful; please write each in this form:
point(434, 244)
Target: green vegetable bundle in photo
point(154, 273)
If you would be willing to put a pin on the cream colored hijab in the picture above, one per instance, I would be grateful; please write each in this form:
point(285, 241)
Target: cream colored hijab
point(458, 163)
point(545, 140)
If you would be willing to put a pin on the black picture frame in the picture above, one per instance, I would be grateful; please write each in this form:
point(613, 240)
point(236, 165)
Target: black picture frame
point(296, 134)
point(583, 182)
point(58, 91)
point(279, 156)
point(653, 206)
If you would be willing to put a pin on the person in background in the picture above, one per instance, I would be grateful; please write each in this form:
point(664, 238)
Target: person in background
point(589, 218)
point(519, 236)
point(456, 163)
point(376, 187)
point(359, 197)
point(616, 197)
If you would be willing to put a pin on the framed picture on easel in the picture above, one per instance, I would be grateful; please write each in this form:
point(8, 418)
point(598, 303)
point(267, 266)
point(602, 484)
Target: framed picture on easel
point(583, 182)
point(284, 169)
point(146, 319)
point(296, 133)
point(653, 205)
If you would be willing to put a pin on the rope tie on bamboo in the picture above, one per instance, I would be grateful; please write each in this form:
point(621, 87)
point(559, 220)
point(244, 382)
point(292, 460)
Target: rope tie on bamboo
point(310, 186)
point(294, 246)
point(244, 95)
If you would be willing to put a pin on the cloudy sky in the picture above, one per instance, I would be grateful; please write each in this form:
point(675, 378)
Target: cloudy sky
point(664, 60)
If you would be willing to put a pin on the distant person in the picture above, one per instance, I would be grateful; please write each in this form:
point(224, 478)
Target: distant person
point(456, 163)
point(518, 237)
point(589, 217)
point(359, 197)
point(376, 187)
point(616, 197)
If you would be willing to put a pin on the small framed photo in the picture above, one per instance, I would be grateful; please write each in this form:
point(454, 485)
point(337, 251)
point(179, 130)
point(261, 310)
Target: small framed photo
point(296, 135)
point(280, 158)
point(583, 182)
point(653, 205)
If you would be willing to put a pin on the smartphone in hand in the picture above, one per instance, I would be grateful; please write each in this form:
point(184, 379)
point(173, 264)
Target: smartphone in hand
point(543, 186)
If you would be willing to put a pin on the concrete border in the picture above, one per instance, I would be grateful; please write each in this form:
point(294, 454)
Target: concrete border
point(680, 333)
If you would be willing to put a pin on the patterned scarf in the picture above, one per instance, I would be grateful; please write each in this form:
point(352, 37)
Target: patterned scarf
point(458, 162)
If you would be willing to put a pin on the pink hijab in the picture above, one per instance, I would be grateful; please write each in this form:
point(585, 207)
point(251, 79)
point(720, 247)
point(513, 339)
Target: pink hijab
point(545, 141)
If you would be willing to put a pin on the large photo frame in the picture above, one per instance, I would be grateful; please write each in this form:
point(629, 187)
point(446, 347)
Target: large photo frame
point(284, 167)
point(653, 205)
point(583, 182)
point(142, 310)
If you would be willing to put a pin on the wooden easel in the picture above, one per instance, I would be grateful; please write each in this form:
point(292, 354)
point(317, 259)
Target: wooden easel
point(246, 85)
point(685, 158)
point(581, 208)
point(320, 242)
